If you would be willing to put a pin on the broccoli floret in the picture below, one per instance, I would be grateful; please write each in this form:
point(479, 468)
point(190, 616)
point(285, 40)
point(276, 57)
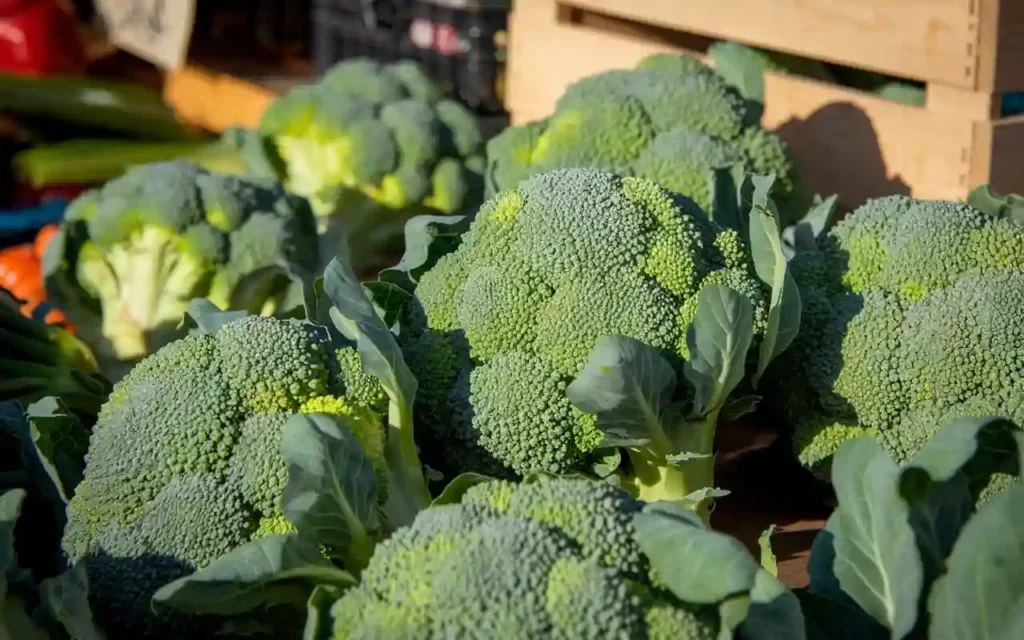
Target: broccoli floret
point(910, 318)
point(132, 254)
point(185, 460)
point(671, 119)
point(555, 558)
point(375, 144)
point(497, 329)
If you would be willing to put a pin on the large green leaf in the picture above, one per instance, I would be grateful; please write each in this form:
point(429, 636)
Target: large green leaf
point(427, 238)
point(718, 340)
point(454, 490)
point(319, 624)
point(331, 493)
point(981, 597)
point(59, 442)
point(804, 235)
point(877, 562)
point(10, 509)
point(281, 569)
point(66, 599)
point(985, 199)
point(627, 384)
point(205, 318)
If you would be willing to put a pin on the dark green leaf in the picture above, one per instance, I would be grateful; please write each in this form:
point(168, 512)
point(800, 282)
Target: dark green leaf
point(698, 565)
point(981, 597)
point(281, 569)
point(877, 561)
point(389, 299)
point(804, 235)
point(205, 318)
point(457, 488)
point(773, 270)
point(10, 509)
point(774, 611)
point(978, 447)
point(985, 199)
point(319, 624)
point(15, 621)
point(281, 284)
point(66, 599)
point(827, 619)
point(60, 442)
point(741, 67)
point(606, 461)
point(718, 340)
point(627, 384)
point(937, 520)
point(427, 238)
point(727, 206)
point(331, 493)
point(768, 560)
point(736, 408)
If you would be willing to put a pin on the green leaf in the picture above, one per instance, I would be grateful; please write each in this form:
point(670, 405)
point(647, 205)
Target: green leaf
point(703, 495)
point(981, 597)
point(389, 299)
point(977, 447)
point(355, 317)
point(804, 235)
point(319, 624)
point(768, 560)
point(205, 318)
point(773, 269)
point(59, 444)
point(728, 208)
point(281, 569)
point(427, 238)
point(457, 488)
point(877, 562)
point(774, 611)
point(827, 619)
point(985, 199)
point(718, 340)
point(742, 68)
point(10, 509)
point(331, 493)
point(736, 408)
point(281, 284)
point(698, 565)
point(606, 461)
point(66, 599)
point(627, 384)
point(15, 621)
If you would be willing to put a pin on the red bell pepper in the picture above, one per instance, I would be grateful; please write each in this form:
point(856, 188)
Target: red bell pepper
point(39, 37)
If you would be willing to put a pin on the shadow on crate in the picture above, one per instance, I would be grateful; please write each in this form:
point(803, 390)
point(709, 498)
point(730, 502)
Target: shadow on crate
point(838, 151)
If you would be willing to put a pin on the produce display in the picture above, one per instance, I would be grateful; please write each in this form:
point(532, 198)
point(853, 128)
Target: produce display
point(363, 373)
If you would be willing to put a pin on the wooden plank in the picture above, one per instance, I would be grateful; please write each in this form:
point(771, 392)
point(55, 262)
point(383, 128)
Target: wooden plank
point(1009, 53)
point(1006, 170)
point(848, 142)
point(927, 40)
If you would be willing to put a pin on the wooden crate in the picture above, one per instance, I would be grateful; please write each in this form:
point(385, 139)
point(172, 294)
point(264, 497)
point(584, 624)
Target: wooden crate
point(848, 142)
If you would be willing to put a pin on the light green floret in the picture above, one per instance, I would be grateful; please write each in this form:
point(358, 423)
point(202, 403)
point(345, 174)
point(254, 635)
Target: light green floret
point(498, 328)
point(517, 561)
point(671, 119)
point(133, 253)
point(184, 463)
point(911, 318)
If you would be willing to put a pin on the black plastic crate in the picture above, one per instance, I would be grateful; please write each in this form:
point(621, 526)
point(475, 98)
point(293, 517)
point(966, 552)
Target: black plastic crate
point(461, 43)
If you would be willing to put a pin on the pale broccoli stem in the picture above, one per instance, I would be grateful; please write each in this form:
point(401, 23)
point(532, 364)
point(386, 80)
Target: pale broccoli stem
point(657, 478)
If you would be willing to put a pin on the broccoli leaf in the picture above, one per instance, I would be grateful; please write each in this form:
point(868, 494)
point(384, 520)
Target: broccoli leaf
point(804, 234)
point(427, 239)
point(280, 286)
point(281, 569)
point(985, 199)
point(59, 443)
point(877, 561)
point(355, 317)
point(982, 593)
point(627, 384)
point(773, 269)
point(457, 488)
point(66, 599)
point(729, 206)
point(319, 625)
point(977, 447)
point(10, 509)
point(203, 317)
point(768, 559)
point(331, 493)
point(718, 340)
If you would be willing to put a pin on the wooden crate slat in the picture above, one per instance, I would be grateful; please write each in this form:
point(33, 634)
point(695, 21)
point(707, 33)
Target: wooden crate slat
point(950, 41)
point(848, 142)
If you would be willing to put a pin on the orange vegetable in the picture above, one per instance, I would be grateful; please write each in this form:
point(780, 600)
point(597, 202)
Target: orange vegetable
point(21, 273)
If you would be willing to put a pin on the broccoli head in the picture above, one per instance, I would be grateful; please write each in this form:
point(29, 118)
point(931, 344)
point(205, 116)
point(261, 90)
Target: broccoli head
point(672, 119)
point(497, 329)
point(185, 460)
point(131, 255)
point(552, 558)
point(374, 143)
point(911, 318)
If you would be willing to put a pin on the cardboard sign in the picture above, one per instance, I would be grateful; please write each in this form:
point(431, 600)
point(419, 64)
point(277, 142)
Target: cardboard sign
point(158, 31)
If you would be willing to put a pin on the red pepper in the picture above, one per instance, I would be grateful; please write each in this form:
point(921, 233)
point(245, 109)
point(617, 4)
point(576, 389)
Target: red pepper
point(39, 37)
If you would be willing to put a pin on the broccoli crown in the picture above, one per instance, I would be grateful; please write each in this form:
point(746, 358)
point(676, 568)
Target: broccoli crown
point(672, 119)
point(184, 463)
point(133, 253)
point(377, 136)
point(498, 328)
point(911, 318)
point(555, 558)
